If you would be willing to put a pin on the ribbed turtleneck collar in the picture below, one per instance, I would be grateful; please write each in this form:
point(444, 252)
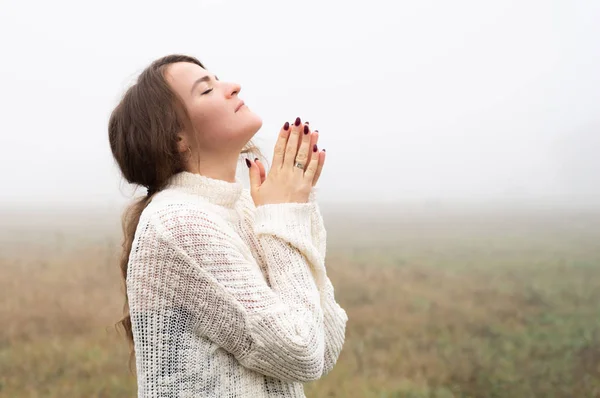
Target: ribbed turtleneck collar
point(219, 192)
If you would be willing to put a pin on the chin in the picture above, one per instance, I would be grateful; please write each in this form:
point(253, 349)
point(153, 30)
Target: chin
point(253, 124)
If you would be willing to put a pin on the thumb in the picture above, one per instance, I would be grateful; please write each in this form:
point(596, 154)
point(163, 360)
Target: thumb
point(254, 175)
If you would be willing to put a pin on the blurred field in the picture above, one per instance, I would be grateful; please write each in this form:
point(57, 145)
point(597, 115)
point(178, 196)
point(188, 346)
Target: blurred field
point(442, 303)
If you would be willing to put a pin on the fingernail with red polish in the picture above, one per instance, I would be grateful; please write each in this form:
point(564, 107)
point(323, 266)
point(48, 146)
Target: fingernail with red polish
point(286, 126)
point(248, 163)
point(298, 121)
point(305, 129)
point(315, 148)
point(256, 159)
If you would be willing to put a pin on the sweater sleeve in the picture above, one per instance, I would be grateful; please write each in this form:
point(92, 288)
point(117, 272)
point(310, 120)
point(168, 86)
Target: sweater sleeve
point(202, 266)
point(335, 318)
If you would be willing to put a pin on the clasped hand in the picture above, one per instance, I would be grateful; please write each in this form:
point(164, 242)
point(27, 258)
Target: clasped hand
point(296, 168)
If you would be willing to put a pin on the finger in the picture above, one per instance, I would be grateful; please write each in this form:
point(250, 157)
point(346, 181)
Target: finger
point(280, 145)
point(254, 175)
point(302, 156)
point(291, 148)
point(261, 168)
point(314, 139)
point(311, 170)
point(321, 162)
point(302, 130)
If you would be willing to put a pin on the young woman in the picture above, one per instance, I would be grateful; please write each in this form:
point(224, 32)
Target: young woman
point(227, 289)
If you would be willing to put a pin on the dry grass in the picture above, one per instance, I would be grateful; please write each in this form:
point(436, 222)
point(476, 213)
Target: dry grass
point(445, 304)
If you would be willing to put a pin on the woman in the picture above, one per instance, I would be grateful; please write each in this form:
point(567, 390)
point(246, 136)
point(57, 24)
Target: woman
point(227, 289)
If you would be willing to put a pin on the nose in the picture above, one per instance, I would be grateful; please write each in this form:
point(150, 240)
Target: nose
point(233, 89)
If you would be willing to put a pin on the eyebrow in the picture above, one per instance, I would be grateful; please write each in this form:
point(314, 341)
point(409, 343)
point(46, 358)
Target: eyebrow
point(201, 80)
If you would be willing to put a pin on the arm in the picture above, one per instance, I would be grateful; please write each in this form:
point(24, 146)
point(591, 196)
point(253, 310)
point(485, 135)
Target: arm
point(318, 232)
point(211, 274)
point(335, 318)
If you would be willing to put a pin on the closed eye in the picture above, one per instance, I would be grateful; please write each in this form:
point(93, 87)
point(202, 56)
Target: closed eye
point(207, 91)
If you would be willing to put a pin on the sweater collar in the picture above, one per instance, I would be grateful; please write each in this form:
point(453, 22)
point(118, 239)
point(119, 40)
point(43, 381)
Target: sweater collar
point(219, 192)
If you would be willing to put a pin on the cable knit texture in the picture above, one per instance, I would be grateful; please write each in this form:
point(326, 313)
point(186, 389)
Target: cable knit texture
point(230, 300)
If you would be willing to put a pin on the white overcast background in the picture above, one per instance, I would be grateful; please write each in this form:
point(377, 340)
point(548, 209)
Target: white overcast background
point(479, 101)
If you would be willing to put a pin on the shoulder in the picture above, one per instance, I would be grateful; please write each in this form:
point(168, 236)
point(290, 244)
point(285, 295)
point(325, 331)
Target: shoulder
point(178, 214)
point(191, 227)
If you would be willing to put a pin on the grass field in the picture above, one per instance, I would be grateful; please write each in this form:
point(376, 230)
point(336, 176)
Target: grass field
point(442, 303)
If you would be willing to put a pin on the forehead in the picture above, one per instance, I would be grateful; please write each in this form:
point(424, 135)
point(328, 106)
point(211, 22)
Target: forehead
point(182, 75)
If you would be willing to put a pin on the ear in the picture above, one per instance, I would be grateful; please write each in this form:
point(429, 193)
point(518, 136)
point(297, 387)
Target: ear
point(182, 142)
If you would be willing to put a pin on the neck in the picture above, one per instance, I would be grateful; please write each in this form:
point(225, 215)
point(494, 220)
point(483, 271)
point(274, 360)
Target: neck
point(215, 191)
point(220, 167)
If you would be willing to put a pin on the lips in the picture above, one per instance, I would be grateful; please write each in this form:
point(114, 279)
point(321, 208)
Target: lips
point(237, 108)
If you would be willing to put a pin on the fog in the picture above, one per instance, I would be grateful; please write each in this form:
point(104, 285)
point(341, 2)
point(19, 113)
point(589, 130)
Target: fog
point(436, 101)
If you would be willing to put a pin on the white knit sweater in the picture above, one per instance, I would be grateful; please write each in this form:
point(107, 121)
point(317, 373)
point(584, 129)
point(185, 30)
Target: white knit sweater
point(230, 300)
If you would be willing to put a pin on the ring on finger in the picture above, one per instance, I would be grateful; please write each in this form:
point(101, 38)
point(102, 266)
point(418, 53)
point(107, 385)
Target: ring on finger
point(299, 165)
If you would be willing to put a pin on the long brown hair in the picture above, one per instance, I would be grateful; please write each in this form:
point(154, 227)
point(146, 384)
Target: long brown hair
point(142, 132)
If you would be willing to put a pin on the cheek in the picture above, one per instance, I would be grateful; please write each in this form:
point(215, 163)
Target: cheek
point(212, 120)
point(206, 115)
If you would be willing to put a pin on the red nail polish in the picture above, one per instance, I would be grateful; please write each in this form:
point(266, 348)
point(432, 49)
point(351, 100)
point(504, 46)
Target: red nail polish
point(286, 126)
point(305, 129)
point(298, 121)
point(315, 148)
point(256, 159)
point(248, 163)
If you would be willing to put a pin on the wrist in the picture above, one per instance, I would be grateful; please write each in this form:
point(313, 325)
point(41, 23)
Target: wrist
point(283, 217)
point(312, 196)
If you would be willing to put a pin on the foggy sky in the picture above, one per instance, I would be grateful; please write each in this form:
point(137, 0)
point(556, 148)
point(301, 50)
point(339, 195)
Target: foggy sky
point(435, 100)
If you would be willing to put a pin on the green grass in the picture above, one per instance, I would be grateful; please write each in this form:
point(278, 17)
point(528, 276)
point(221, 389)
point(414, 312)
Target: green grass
point(488, 304)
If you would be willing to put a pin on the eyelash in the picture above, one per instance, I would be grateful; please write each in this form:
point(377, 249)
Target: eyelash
point(207, 91)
